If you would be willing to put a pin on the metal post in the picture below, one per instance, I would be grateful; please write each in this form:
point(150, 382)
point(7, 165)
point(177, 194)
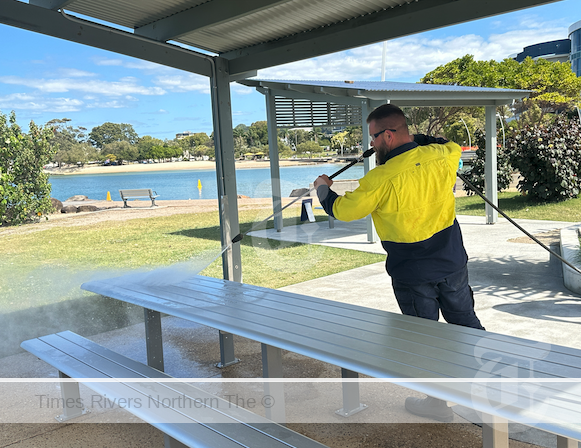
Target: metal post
point(494, 432)
point(274, 162)
point(153, 340)
point(274, 404)
point(225, 168)
point(226, 180)
point(351, 403)
point(72, 402)
point(368, 165)
point(490, 167)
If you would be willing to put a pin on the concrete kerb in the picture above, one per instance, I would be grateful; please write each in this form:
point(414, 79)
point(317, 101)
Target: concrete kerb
point(570, 251)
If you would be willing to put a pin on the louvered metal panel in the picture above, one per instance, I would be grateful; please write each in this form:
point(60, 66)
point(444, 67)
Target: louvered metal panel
point(298, 113)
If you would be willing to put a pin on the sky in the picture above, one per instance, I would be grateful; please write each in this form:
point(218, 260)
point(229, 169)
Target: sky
point(43, 78)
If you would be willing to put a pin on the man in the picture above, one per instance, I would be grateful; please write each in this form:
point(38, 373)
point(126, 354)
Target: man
point(410, 198)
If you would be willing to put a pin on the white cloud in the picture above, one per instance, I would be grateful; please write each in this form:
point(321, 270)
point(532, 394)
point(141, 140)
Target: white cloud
point(125, 86)
point(239, 89)
point(187, 82)
point(75, 73)
point(23, 101)
point(411, 57)
point(108, 62)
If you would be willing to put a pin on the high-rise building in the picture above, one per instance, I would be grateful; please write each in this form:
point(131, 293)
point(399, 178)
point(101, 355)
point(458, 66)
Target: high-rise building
point(575, 57)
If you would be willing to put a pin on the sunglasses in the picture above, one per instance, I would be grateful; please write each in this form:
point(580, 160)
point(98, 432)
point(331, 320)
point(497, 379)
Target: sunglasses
point(374, 136)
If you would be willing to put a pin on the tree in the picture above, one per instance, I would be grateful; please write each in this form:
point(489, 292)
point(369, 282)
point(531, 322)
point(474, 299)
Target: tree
point(70, 143)
point(24, 187)
point(309, 148)
point(554, 85)
point(145, 144)
point(112, 132)
point(354, 138)
point(338, 140)
point(122, 150)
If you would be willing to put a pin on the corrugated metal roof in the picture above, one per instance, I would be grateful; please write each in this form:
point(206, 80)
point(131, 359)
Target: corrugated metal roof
point(280, 19)
point(379, 86)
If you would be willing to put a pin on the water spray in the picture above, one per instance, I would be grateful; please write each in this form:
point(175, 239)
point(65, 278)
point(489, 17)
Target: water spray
point(366, 154)
point(536, 240)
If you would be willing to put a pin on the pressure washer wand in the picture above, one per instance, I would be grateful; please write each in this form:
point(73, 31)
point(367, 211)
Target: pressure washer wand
point(536, 240)
point(366, 154)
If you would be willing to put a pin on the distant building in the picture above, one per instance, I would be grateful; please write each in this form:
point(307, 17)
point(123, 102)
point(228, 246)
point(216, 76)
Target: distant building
point(557, 50)
point(554, 51)
point(184, 135)
point(575, 57)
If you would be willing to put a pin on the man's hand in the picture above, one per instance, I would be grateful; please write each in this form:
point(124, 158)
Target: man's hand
point(322, 180)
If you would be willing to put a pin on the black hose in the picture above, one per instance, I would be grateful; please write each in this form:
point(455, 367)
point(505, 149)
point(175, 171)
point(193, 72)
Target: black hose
point(536, 240)
point(366, 154)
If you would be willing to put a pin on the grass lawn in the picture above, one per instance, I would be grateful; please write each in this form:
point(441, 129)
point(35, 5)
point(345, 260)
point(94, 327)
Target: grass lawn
point(519, 207)
point(49, 265)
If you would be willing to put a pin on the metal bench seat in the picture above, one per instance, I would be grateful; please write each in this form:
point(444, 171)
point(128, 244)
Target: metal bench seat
point(218, 425)
point(140, 193)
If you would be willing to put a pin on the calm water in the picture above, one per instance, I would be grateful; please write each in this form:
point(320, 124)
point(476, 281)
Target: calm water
point(176, 185)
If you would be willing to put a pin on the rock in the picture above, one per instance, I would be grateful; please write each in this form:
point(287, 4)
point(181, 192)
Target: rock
point(69, 209)
point(57, 205)
point(297, 192)
point(78, 197)
point(87, 208)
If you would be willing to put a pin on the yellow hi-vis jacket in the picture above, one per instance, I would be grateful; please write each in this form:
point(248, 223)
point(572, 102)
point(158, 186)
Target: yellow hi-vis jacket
point(411, 201)
point(410, 197)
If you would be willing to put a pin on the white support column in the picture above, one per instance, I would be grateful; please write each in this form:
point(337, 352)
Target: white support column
point(225, 168)
point(368, 164)
point(490, 167)
point(274, 162)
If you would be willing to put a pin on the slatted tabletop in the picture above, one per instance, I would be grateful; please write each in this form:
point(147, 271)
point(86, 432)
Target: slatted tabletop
point(383, 345)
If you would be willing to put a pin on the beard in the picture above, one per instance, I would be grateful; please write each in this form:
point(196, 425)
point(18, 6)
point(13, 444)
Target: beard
point(381, 155)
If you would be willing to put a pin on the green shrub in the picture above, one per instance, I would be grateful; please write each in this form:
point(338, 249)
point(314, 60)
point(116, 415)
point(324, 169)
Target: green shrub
point(548, 158)
point(475, 174)
point(24, 187)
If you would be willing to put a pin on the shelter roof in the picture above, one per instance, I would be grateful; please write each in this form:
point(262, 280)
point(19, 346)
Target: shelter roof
point(401, 93)
point(250, 34)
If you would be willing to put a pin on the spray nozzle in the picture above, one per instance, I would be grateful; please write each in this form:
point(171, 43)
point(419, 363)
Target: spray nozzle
point(237, 238)
point(368, 153)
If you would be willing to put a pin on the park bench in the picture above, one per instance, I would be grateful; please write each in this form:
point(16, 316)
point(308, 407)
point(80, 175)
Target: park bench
point(139, 193)
point(187, 415)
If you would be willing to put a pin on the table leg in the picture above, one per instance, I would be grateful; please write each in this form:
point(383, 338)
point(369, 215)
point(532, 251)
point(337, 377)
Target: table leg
point(153, 339)
point(564, 442)
point(351, 403)
point(274, 405)
point(72, 402)
point(494, 432)
point(227, 357)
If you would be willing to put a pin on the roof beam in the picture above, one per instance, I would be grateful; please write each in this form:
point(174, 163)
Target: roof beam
point(202, 16)
point(55, 24)
point(50, 4)
point(388, 24)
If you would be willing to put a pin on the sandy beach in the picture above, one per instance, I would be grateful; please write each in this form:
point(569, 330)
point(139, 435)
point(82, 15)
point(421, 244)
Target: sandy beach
point(169, 166)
